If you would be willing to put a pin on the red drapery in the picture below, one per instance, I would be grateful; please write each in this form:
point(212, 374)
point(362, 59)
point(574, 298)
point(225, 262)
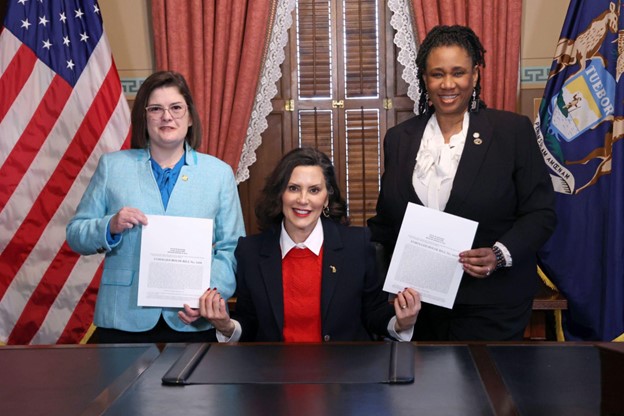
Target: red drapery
point(498, 25)
point(218, 46)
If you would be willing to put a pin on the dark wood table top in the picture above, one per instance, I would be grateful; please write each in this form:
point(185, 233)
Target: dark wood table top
point(67, 380)
point(447, 383)
point(450, 379)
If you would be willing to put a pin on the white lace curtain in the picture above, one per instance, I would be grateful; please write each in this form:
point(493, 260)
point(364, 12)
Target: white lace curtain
point(405, 39)
point(266, 87)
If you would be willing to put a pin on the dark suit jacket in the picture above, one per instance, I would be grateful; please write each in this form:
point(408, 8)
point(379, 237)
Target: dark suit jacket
point(501, 182)
point(352, 302)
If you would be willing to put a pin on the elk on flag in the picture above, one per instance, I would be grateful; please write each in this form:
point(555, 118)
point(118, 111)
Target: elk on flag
point(580, 127)
point(61, 107)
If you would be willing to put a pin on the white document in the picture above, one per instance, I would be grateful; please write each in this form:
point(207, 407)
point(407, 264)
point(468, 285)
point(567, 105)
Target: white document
point(176, 255)
point(426, 256)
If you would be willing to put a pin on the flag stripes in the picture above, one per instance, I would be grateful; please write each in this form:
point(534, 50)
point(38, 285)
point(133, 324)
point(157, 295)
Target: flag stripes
point(62, 108)
point(80, 316)
point(65, 170)
point(20, 66)
point(50, 284)
point(27, 146)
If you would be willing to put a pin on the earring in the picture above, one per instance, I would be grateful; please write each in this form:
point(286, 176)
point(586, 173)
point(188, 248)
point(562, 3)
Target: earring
point(326, 211)
point(426, 106)
point(474, 103)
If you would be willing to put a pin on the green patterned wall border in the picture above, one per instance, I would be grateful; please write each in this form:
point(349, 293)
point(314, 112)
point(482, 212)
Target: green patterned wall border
point(534, 74)
point(528, 75)
point(131, 86)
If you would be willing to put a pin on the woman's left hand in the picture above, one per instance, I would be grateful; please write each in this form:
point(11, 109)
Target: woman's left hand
point(478, 262)
point(406, 308)
point(189, 315)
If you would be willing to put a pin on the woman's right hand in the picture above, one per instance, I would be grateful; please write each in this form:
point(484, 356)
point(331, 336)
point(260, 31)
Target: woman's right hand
point(125, 219)
point(212, 307)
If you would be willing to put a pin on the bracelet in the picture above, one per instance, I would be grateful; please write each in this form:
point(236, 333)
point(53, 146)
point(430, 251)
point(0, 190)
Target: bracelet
point(500, 257)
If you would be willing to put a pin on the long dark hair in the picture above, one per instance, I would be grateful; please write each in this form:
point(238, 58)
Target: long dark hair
point(160, 79)
point(269, 205)
point(455, 35)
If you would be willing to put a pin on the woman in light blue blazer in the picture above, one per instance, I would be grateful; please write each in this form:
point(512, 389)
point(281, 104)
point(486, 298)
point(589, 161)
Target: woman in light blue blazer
point(162, 174)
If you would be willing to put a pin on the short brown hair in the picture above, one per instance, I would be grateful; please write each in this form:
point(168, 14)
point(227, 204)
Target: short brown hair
point(161, 79)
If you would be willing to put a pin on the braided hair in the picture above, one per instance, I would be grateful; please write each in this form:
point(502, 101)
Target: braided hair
point(455, 35)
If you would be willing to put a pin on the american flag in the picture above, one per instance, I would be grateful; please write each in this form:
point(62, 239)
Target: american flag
point(61, 107)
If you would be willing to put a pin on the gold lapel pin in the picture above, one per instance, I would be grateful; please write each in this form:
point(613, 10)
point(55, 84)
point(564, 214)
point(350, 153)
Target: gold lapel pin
point(333, 269)
point(184, 178)
point(477, 138)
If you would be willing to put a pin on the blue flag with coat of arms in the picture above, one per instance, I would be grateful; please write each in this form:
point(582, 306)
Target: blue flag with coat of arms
point(580, 127)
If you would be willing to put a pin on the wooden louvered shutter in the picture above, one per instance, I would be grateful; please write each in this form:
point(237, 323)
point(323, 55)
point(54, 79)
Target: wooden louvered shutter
point(338, 101)
point(362, 107)
point(315, 115)
point(340, 67)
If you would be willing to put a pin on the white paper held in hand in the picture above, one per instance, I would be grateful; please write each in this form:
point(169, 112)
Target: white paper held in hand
point(426, 255)
point(176, 255)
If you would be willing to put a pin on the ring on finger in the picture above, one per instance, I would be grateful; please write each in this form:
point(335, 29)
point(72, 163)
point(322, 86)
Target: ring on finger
point(488, 271)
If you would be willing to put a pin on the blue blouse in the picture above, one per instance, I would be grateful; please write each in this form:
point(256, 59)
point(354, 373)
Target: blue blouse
point(166, 180)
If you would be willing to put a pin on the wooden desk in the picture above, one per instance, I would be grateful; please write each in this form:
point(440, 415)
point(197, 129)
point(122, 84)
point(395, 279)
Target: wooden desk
point(546, 301)
point(67, 380)
point(550, 380)
point(448, 383)
point(474, 379)
point(450, 379)
point(612, 366)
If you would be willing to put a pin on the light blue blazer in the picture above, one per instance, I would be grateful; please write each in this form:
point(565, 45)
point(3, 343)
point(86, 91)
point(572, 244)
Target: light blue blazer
point(205, 189)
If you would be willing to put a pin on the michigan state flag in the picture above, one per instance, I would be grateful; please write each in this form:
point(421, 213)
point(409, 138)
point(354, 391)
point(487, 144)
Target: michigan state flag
point(580, 127)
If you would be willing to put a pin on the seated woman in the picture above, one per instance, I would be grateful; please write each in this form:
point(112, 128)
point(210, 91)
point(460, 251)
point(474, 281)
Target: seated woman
point(305, 280)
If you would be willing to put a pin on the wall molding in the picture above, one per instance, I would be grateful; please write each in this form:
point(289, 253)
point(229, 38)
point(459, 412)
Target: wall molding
point(529, 76)
point(534, 75)
point(131, 86)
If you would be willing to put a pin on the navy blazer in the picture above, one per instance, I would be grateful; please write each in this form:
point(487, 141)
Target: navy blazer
point(353, 304)
point(501, 182)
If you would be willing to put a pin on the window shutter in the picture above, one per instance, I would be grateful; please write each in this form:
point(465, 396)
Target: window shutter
point(314, 49)
point(363, 163)
point(316, 130)
point(362, 49)
point(339, 107)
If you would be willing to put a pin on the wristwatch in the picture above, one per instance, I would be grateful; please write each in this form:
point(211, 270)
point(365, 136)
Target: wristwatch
point(500, 257)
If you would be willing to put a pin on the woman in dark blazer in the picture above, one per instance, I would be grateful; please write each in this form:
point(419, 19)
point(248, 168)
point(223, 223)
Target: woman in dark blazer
point(477, 163)
point(307, 277)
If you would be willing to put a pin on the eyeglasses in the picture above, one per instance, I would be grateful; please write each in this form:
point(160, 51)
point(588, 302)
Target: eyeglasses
point(155, 112)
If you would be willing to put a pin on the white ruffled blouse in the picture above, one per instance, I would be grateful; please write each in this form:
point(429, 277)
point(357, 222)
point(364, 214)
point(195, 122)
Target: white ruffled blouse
point(436, 164)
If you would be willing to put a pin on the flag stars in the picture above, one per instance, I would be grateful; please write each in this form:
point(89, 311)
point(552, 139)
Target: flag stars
point(70, 65)
point(26, 24)
point(47, 44)
point(83, 37)
point(95, 9)
point(43, 21)
point(62, 17)
point(79, 14)
point(66, 41)
point(22, 2)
